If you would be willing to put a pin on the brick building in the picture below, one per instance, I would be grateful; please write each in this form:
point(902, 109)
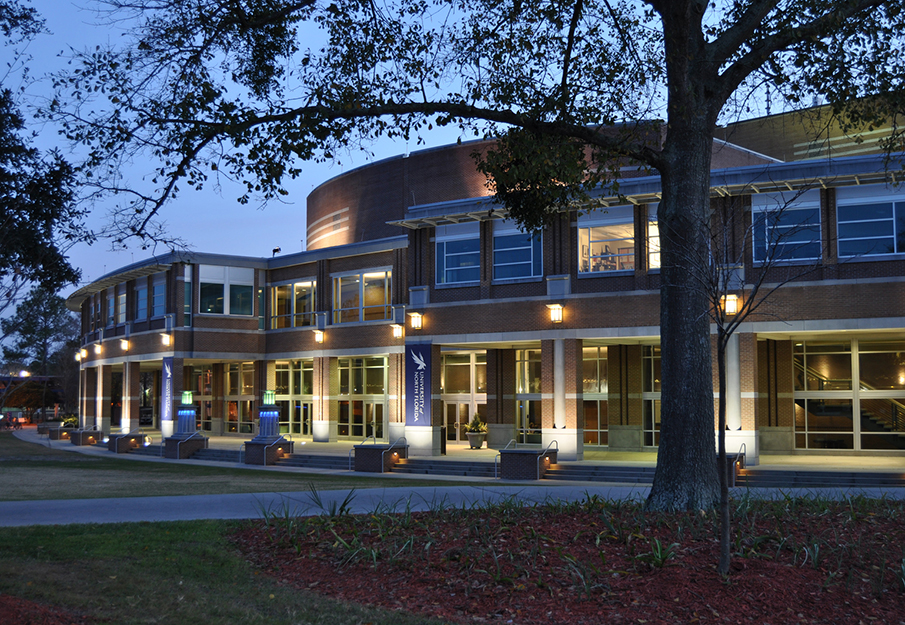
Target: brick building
point(410, 268)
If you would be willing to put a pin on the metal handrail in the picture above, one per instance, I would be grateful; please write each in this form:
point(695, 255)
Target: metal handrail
point(384, 452)
point(179, 444)
point(543, 454)
point(266, 447)
point(497, 457)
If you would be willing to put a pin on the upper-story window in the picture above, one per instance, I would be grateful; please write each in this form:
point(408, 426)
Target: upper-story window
point(362, 297)
point(158, 295)
point(226, 290)
point(292, 305)
point(458, 253)
point(606, 240)
point(141, 300)
point(187, 300)
point(111, 307)
point(786, 226)
point(121, 304)
point(516, 254)
point(871, 221)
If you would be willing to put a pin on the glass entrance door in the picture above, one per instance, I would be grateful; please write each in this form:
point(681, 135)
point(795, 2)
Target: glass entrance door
point(457, 417)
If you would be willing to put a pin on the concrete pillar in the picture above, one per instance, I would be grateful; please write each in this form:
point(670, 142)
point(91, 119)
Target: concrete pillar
point(103, 398)
point(131, 396)
point(741, 396)
point(324, 399)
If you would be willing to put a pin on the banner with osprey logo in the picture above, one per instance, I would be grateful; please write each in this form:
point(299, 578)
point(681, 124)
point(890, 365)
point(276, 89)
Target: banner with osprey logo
point(417, 384)
point(166, 399)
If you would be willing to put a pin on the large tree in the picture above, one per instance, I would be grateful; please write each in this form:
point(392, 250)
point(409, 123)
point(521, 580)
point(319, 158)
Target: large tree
point(252, 88)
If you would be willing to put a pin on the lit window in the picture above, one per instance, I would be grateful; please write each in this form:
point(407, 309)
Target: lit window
point(786, 226)
point(606, 240)
point(158, 296)
point(516, 254)
point(361, 297)
point(292, 305)
point(121, 304)
point(458, 253)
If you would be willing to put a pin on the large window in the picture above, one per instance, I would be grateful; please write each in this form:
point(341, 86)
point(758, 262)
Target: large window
point(226, 290)
point(121, 304)
point(141, 301)
point(458, 253)
point(871, 221)
point(516, 254)
point(606, 240)
point(786, 226)
point(240, 409)
point(361, 297)
point(363, 382)
point(528, 396)
point(292, 305)
point(651, 394)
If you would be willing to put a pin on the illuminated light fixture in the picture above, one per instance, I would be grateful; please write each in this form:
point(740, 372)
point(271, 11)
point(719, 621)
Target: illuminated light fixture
point(902, 379)
point(97, 348)
point(24, 374)
point(416, 319)
point(78, 356)
point(397, 330)
point(84, 353)
point(318, 336)
point(270, 398)
point(186, 398)
point(165, 339)
point(555, 312)
point(124, 344)
point(729, 304)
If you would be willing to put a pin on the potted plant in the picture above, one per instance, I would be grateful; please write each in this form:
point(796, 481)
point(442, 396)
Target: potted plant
point(476, 431)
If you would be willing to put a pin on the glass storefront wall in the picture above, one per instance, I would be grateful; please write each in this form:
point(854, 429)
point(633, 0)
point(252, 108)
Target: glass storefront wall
point(849, 394)
point(528, 396)
point(594, 390)
point(650, 395)
point(239, 400)
point(363, 403)
point(463, 389)
point(294, 385)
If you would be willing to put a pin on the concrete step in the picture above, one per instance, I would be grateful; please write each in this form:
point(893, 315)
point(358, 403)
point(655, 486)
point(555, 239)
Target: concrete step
point(768, 478)
point(600, 473)
point(217, 455)
point(336, 463)
point(150, 450)
point(427, 466)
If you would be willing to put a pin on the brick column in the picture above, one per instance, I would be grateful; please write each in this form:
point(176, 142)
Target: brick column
point(776, 404)
point(89, 397)
point(500, 411)
point(624, 404)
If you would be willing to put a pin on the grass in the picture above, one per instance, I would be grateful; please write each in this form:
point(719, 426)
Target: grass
point(34, 472)
point(181, 572)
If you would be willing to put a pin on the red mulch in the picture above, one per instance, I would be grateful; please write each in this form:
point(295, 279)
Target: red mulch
point(570, 568)
point(16, 611)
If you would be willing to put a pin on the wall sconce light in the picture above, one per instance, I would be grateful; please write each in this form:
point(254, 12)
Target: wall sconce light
point(397, 330)
point(165, 339)
point(124, 344)
point(729, 304)
point(78, 356)
point(97, 348)
point(318, 336)
point(555, 312)
point(416, 320)
point(84, 353)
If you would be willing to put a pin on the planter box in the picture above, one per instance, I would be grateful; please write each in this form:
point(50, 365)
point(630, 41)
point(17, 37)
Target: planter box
point(86, 437)
point(378, 458)
point(525, 464)
point(476, 439)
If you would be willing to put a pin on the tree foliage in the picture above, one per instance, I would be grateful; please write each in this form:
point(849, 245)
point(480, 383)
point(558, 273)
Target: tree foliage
point(250, 90)
point(41, 326)
point(38, 215)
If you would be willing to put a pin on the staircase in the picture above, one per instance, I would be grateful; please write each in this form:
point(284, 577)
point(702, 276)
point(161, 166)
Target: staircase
point(150, 450)
point(309, 461)
point(458, 468)
point(763, 478)
point(217, 455)
point(600, 473)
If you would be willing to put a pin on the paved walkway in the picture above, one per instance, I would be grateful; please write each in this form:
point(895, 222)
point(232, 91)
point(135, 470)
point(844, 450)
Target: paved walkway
point(246, 506)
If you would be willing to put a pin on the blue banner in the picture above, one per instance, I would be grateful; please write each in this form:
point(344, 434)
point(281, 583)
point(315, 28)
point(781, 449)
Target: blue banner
point(418, 385)
point(166, 396)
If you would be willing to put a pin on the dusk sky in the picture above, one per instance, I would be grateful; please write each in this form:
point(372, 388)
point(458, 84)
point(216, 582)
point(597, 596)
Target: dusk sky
point(208, 220)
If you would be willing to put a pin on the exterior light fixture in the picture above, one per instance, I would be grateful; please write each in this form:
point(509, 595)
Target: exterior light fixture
point(124, 344)
point(84, 353)
point(165, 339)
point(270, 398)
point(78, 356)
point(318, 336)
point(416, 320)
point(555, 312)
point(24, 374)
point(186, 398)
point(397, 330)
point(729, 304)
point(97, 348)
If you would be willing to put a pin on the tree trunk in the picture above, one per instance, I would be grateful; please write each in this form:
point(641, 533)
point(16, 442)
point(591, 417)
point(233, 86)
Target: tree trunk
point(686, 477)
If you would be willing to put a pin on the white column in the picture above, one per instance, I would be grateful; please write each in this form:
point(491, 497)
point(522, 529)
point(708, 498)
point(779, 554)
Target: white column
point(733, 385)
